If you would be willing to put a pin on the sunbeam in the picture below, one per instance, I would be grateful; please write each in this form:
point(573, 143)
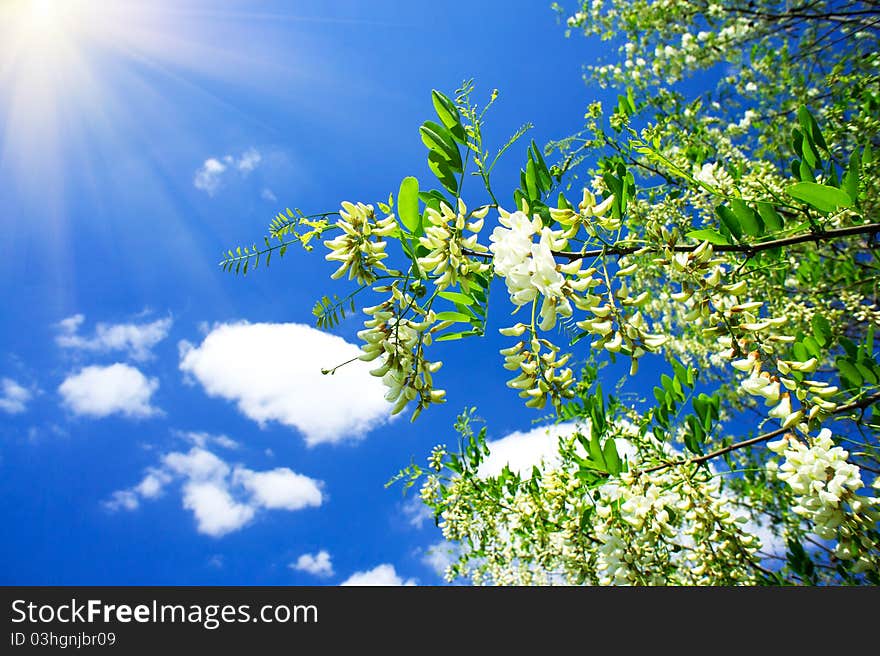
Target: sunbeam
point(103, 102)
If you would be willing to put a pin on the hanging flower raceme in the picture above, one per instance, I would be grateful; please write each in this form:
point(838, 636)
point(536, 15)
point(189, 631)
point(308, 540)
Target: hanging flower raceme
point(590, 213)
point(445, 239)
point(399, 344)
point(542, 375)
point(825, 484)
point(529, 268)
point(779, 391)
point(361, 246)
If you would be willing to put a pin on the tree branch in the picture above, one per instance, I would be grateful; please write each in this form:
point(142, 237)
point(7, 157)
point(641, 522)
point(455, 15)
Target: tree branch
point(856, 405)
point(748, 249)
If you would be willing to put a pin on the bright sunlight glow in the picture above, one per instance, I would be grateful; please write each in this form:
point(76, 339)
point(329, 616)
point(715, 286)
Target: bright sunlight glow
point(41, 22)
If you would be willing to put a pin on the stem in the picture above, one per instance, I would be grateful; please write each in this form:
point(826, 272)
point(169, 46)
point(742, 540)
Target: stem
point(856, 405)
point(749, 249)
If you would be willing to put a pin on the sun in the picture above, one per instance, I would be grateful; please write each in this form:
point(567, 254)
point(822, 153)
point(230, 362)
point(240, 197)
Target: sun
point(43, 12)
point(40, 33)
point(79, 80)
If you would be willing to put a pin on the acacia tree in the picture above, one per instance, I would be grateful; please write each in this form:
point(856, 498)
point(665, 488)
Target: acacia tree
point(728, 232)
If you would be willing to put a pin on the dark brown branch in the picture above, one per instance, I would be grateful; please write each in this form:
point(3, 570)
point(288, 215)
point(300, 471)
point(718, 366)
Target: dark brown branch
point(857, 405)
point(748, 249)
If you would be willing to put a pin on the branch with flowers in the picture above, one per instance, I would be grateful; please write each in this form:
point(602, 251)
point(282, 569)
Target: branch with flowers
point(737, 255)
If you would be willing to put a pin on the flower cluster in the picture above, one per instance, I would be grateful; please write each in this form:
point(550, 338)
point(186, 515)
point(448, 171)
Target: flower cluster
point(529, 268)
point(590, 214)
point(361, 246)
point(399, 342)
point(668, 527)
point(541, 374)
point(777, 390)
point(444, 238)
point(825, 486)
point(713, 175)
point(652, 522)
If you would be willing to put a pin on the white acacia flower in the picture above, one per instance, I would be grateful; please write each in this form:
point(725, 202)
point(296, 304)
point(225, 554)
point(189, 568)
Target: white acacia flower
point(512, 241)
point(823, 480)
point(445, 239)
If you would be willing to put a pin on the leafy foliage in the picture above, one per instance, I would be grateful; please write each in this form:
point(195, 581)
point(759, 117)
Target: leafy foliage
point(728, 237)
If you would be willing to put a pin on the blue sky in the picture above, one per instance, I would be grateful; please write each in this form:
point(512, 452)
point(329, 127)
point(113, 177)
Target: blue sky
point(162, 422)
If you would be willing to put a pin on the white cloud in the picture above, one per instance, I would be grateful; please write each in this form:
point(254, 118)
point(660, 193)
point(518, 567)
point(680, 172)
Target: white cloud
point(203, 439)
point(135, 339)
point(151, 485)
point(522, 451)
point(280, 488)
point(209, 177)
point(249, 160)
point(273, 372)
point(773, 543)
point(318, 564)
point(222, 497)
point(416, 512)
point(216, 511)
point(380, 575)
point(13, 397)
point(440, 556)
point(115, 389)
point(71, 324)
point(268, 195)
point(122, 500)
point(197, 465)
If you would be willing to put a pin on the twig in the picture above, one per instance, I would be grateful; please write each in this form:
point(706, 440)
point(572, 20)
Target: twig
point(856, 405)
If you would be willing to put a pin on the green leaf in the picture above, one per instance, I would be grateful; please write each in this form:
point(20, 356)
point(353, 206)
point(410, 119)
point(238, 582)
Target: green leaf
point(730, 221)
point(701, 407)
point(812, 346)
point(710, 235)
point(849, 372)
point(867, 375)
point(805, 172)
point(448, 337)
point(822, 197)
point(433, 199)
point(440, 167)
point(693, 436)
point(850, 348)
point(612, 459)
point(451, 315)
point(544, 180)
point(748, 219)
point(446, 111)
point(456, 297)
point(821, 329)
point(531, 187)
point(851, 178)
point(679, 370)
point(438, 139)
point(772, 219)
point(596, 450)
point(811, 156)
point(811, 128)
point(408, 204)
